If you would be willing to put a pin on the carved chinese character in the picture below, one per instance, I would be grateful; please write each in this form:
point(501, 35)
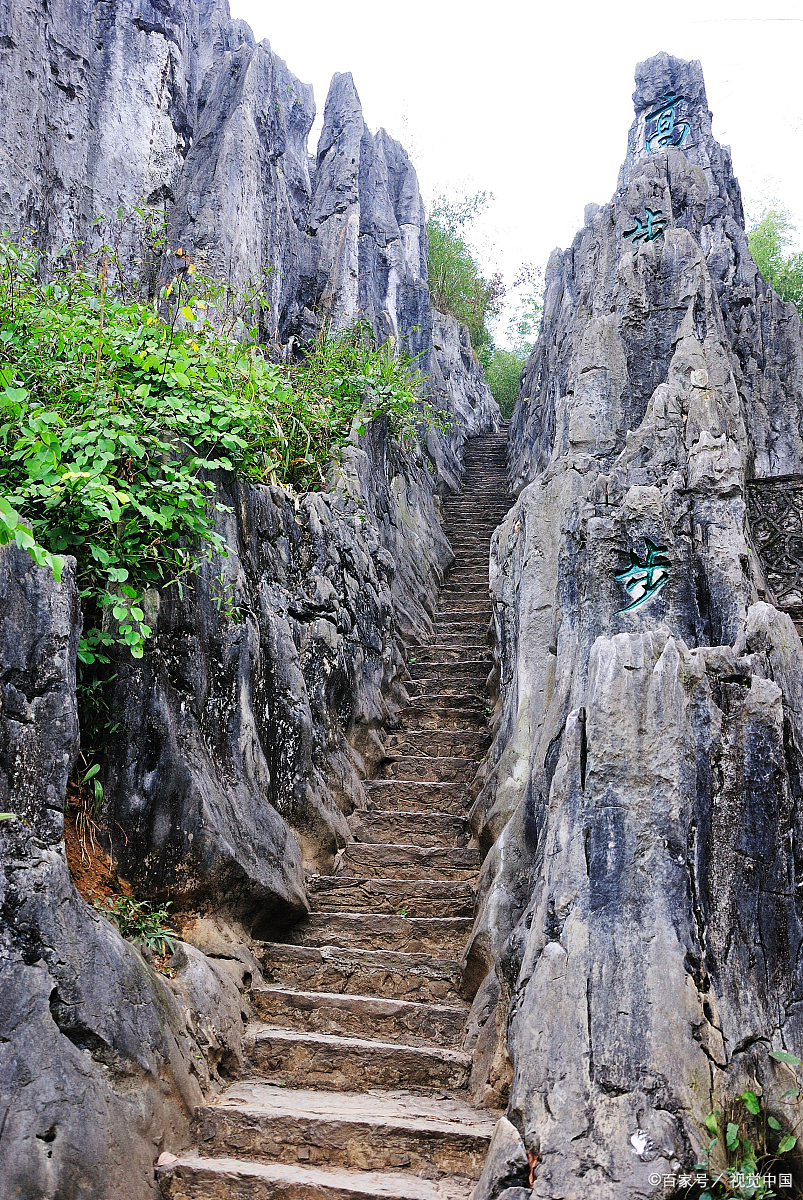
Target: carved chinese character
point(647, 230)
point(661, 127)
point(643, 580)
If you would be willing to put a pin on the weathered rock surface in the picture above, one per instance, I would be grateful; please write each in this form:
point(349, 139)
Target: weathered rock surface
point(176, 107)
point(100, 1061)
point(249, 725)
point(370, 1010)
point(245, 736)
point(639, 905)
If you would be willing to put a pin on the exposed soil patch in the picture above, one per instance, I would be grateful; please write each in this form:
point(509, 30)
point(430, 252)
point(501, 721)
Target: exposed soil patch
point(92, 871)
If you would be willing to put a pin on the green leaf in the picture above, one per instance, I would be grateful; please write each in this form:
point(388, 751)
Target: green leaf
point(732, 1136)
point(751, 1102)
point(8, 817)
point(784, 1057)
point(711, 1123)
point(92, 772)
point(773, 1124)
point(787, 1143)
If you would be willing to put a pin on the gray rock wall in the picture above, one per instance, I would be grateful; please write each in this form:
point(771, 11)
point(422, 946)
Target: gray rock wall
point(101, 1060)
point(248, 726)
point(178, 107)
point(238, 728)
point(249, 723)
point(640, 916)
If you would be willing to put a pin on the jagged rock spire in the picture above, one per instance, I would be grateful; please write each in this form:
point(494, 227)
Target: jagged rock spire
point(639, 911)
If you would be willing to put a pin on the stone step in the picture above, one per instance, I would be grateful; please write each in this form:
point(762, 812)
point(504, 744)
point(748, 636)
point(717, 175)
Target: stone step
point(417, 796)
point(475, 639)
point(439, 936)
point(459, 633)
point(476, 607)
point(461, 615)
point(454, 653)
point(424, 978)
point(460, 689)
point(379, 826)
point(464, 512)
point(473, 582)
point(468, 688)
point(429, 769)
point(402, 897)
point(470, 623)
point(467, 517)
point(472, 586)
point(439, 743)
point(468, 701)
point(361, 1016)
point(366, 860)
point(469, 595)
point(359, 1131)
point(343, 1064)
point(443, 717)
point(193, 1177)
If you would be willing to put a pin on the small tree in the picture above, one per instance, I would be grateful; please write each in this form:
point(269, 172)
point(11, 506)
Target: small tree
point(504, 368)
point(768, 240)
point(456, 282)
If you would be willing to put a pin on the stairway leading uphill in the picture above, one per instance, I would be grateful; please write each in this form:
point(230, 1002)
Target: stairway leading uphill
point(357, 1076)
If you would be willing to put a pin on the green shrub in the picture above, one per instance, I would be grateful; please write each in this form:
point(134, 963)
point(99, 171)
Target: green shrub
point(140, 922)
point(768, 241)
point(456, 284)
point(113, 413)
point(503, 368)
point(503, 374)
point(749, 1144)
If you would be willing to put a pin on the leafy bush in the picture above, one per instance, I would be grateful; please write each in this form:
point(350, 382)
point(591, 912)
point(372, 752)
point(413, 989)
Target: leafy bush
point(750, 1141)
point(503, 375)
point(139, 922)
point(114, 412)
point(456, 283)
point(768, 240)
point(503, 369)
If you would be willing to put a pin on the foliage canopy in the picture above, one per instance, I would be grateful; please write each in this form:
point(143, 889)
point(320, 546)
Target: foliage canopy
point(769, 241)
point(456, 282)
point(115, 413)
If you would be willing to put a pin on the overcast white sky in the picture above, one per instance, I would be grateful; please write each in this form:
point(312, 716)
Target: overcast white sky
point(532, 101)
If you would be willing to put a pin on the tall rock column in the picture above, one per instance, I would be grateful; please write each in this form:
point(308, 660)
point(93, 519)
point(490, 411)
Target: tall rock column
point(640, 916)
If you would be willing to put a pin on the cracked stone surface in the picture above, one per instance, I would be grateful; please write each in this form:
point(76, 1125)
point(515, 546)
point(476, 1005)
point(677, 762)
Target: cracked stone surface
point(365, 1031)
point(640, 924)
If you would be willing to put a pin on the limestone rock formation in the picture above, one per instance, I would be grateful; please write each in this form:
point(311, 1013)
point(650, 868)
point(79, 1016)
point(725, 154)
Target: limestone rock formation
point(640, 910)
point(100, 1060)
point(247, 727)
point(177, 109)
point(177, 106)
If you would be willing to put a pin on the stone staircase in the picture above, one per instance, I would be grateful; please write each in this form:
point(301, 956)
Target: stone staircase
point(357, 1075)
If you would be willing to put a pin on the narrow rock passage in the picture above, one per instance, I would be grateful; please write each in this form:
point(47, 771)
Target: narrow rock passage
point(357, 1079)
